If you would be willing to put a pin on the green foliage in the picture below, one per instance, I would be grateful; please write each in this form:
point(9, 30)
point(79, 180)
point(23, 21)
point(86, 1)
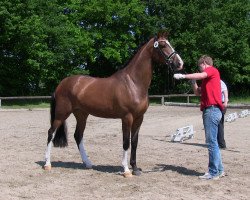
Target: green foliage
point(112, 27)
point(217, 28)
point(44, 41)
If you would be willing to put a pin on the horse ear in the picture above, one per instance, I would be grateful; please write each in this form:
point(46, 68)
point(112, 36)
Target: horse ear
point(163, 33)
point(166, 34)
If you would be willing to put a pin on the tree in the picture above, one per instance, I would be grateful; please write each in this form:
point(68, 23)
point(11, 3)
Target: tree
point(112, 27)
point(44, 41)
point(218, 28)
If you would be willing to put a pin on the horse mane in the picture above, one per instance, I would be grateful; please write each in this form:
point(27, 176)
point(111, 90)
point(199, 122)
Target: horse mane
point(162, 33)
point(132, 56)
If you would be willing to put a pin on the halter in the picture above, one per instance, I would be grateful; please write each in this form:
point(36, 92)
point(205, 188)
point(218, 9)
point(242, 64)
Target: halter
point(168, 58)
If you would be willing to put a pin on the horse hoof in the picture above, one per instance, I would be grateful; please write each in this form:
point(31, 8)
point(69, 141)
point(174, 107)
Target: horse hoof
point(127, 174)
point(47, 167)
point(136, 172)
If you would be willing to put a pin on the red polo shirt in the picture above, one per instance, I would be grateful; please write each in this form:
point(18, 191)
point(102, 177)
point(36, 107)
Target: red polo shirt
point(211, 89)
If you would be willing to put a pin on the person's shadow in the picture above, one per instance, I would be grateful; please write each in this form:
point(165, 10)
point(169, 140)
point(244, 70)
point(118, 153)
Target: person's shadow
point(178, 169)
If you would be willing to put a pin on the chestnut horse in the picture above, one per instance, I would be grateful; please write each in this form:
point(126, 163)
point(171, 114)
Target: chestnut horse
point(123, 95)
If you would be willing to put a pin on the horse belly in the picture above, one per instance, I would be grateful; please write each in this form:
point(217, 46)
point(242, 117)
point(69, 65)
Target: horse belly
point(100, 107)
point(109, 99)
point(112, 108)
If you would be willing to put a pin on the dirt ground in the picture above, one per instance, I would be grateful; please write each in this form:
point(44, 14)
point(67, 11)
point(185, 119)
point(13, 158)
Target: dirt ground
point(170, 170)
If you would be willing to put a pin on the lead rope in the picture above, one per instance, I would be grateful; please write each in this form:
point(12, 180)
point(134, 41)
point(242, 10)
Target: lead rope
point(172, 82)
point(168, 92)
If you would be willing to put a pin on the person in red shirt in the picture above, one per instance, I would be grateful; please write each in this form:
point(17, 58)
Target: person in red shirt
point(211, 107)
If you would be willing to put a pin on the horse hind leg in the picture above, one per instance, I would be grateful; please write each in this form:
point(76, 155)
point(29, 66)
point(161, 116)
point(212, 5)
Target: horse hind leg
point(57, 133)
point(47, 165)
point(80, 127)
point(134, 141)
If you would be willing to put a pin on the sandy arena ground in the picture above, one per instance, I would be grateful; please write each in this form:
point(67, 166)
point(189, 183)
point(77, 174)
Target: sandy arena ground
point(170, 170)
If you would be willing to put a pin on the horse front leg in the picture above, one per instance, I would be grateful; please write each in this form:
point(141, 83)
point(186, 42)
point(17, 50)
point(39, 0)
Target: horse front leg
point(134, 141)
point(126, 129)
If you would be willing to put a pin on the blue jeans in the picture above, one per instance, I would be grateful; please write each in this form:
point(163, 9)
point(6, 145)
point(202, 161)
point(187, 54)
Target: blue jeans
point(211, 119)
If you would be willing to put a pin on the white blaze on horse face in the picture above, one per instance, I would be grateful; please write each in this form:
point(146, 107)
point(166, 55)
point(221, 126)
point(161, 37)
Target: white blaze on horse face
point(125, 161)
point(84, 155)
point(181, 62)
point(177, 55)
point(168, 43)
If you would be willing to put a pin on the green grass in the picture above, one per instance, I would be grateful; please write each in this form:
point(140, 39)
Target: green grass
point(27, 104)
point(245, 100)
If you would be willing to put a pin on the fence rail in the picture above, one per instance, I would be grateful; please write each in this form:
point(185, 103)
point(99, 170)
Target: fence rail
point(162, 97)
point(23, 98)
point(171, 95)
point(150, 96)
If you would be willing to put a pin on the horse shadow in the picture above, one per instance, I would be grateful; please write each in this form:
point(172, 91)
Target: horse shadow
point(118, 169)
point(179, 169)
point(74, 165)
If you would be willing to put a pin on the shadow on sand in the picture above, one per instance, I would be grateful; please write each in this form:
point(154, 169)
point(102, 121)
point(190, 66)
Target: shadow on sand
point(74, 165)
point(173, 168)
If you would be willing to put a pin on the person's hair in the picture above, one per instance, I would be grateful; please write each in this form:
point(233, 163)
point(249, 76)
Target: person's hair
point(205, 59)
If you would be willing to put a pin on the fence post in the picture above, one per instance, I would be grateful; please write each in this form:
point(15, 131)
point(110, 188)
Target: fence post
point(188, 98)
point(162, 100)
point(0, 103)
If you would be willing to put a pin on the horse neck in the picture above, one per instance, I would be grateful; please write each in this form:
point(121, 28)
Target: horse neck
point(140, 67)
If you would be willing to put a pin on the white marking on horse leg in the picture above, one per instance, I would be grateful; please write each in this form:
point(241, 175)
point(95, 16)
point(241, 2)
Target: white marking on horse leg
point(125, 161)
point(47, 153)
point(84, 156)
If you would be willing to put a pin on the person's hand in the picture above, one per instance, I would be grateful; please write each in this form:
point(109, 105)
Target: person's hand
point(225, 104)
point(179, 76)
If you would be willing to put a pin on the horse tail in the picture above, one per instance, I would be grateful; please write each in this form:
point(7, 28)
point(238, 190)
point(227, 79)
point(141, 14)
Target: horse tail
point(60, 139)
point(52, 108)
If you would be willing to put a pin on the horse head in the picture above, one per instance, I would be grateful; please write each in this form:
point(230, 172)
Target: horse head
point(163, 52)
